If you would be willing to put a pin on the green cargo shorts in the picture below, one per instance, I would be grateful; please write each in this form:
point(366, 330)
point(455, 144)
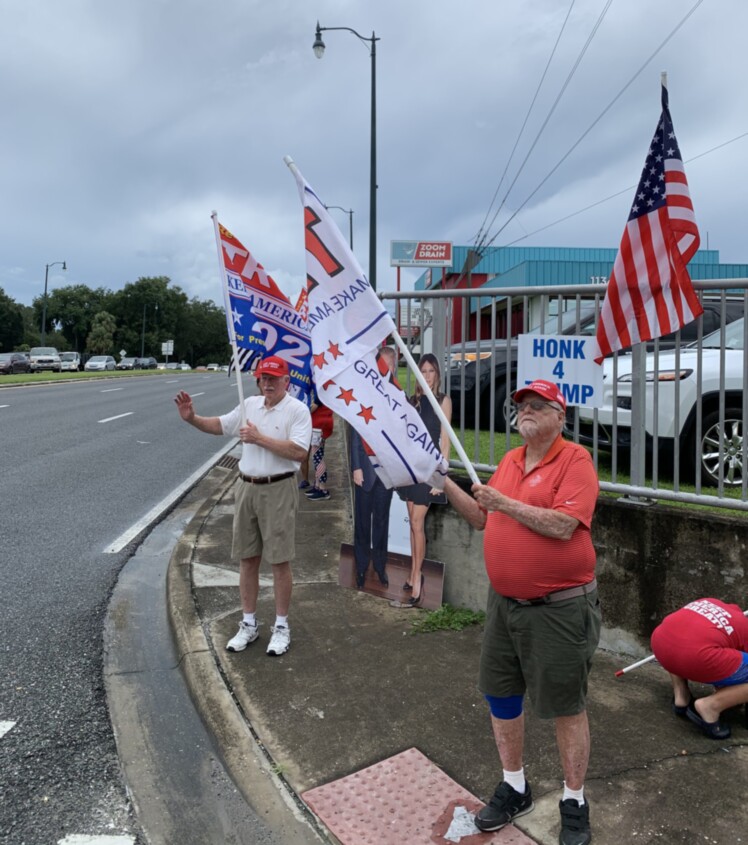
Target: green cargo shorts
point(543, 649)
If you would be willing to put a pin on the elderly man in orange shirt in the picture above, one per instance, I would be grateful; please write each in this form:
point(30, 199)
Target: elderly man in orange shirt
point(543, 616)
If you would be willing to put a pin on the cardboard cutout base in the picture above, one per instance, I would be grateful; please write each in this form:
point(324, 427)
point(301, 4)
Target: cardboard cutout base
point(398, 570)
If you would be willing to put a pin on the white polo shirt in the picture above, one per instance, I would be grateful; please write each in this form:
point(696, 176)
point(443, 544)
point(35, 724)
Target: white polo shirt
point(288, 420)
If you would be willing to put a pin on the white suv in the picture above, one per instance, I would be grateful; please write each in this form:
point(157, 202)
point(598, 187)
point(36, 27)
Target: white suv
point(714, 433)
point(44, 358)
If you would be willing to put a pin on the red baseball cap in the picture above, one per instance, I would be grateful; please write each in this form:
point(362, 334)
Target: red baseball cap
point(272, 366)
point(546, 389)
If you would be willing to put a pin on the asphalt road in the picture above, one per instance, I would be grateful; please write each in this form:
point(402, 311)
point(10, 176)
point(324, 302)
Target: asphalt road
point(82, 462)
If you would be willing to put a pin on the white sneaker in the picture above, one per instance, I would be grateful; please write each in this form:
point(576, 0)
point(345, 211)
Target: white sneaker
point(280, 641)
point(244, 636)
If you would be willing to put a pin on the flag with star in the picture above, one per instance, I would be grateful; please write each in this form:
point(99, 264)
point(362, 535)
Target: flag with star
point(650, 291)
point(260, 316)
point(347, 322)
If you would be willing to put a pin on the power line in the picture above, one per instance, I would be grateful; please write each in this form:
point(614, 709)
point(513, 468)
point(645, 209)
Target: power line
point(480, 235)
point(593, 124)
point(618, 193)
point(568, 79)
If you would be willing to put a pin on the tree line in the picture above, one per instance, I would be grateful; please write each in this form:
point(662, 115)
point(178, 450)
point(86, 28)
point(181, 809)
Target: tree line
point(98, 321)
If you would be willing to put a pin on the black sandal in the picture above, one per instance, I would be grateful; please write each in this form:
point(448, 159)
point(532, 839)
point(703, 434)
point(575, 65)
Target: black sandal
point(714, 730)
point(681, 710)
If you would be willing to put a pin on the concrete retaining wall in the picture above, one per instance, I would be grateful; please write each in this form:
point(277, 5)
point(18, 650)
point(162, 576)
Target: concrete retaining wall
point(650, 561)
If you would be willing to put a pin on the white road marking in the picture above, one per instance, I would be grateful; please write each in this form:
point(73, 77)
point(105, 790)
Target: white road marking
point(111, 389)
point(103, 839)
point(172, 381)
point(4, 406)
point(176, 494)
point(5, 727)
point(118, 417)
point(198, 394)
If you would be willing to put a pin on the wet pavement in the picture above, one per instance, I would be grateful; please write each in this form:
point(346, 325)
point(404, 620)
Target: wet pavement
point(358, 687)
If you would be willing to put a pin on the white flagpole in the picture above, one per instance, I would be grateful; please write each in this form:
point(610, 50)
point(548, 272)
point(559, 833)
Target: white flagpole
point(437, 408)
point(229, 320)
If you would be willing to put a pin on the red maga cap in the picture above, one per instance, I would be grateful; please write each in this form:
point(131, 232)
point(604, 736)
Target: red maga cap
point(545, 389)
point(272, 366)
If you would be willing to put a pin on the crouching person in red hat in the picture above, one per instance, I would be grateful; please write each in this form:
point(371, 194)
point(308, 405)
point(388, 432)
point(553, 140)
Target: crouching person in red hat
point(543, 616)
point(274, 440)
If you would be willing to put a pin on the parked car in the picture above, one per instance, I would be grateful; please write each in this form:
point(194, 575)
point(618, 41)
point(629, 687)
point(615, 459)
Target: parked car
point(145, 363)
point(172, 365)
point(45, 358)
point(477, 361)
point(100, 363)
point(473, 360)
point(184, 366)
point(677, 418)
point(71, 362)
point(127, 364)
point(224, 368)
point(213, 367)
point(14, 362)
point(161, 365)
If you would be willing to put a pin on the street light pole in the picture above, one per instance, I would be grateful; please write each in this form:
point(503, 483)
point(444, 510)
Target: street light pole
point(43, 331)
point(319, 49)
point(142, 333)
point(349, 212)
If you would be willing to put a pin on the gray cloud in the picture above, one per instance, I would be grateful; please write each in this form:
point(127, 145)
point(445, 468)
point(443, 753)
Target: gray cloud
point(127, 124)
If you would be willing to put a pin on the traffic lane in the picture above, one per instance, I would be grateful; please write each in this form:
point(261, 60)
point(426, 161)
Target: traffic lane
point(59, 767)
point(40, 424)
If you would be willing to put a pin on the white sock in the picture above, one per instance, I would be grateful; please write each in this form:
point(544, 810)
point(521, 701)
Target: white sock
point(281, 621)
point(578, 794)
point(516, 780)
point(249, 619)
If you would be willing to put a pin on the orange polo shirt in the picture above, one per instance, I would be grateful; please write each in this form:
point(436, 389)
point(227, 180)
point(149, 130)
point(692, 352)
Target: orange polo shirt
point(522, 564)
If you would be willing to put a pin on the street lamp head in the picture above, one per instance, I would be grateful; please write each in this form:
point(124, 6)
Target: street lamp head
point(319, 44)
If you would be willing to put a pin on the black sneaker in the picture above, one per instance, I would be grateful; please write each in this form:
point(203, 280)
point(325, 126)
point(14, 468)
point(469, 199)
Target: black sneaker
point(506, 805)
point(575, 822)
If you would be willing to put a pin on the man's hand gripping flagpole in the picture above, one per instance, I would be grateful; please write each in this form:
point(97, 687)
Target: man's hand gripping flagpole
point(229, 320)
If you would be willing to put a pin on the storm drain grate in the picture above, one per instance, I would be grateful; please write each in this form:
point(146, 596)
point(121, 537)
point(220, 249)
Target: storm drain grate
point(229, 462)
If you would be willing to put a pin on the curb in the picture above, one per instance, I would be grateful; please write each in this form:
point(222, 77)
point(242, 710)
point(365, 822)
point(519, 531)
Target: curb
point(246, 761)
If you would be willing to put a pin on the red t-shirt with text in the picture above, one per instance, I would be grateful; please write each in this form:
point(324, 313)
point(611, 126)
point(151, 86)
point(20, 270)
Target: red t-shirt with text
point(702, 641)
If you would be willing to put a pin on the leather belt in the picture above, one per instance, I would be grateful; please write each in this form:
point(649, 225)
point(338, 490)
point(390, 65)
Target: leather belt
point(265, 479)
point(560, 595)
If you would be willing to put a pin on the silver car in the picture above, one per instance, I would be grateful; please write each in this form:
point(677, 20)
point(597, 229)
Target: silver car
point(99, 363)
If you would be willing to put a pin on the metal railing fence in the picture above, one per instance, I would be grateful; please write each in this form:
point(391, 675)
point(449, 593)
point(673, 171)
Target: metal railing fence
point(671, 425)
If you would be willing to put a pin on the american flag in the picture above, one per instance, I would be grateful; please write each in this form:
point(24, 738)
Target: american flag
point(650, 292)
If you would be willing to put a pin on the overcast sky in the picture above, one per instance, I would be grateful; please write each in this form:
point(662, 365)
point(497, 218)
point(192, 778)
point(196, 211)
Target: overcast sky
point(126, 123)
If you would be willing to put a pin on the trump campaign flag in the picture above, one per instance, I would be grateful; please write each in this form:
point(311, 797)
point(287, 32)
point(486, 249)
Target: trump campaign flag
point(650, 292)
point(347, 322)
point(260, 319)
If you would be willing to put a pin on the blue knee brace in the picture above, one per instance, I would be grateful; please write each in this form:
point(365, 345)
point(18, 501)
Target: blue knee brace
point(505, 708)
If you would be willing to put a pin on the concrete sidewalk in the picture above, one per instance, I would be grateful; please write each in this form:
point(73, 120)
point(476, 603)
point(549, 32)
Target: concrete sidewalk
point(357, 687)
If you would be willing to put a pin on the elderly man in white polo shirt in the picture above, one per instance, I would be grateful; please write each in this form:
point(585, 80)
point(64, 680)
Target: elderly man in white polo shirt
point(275, 440)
